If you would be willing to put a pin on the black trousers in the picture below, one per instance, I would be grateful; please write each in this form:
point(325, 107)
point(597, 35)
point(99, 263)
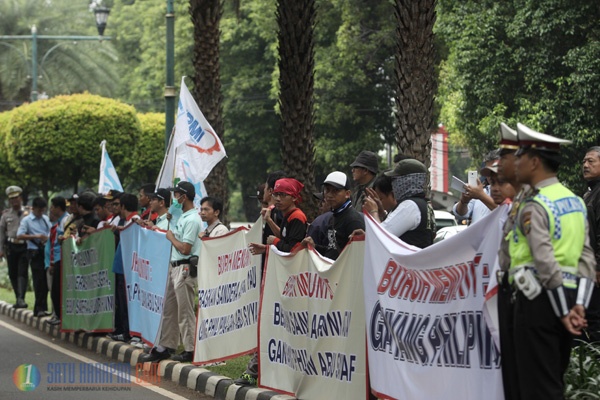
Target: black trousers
point(121, 312)
point(510, 377)
point(55, 290)
point(16, 258)
point(542, 348)
point(40, 283)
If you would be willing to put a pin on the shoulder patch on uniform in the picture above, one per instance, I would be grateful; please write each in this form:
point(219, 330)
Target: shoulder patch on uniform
point(526, 222)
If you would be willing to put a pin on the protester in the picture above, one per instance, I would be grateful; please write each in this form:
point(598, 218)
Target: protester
point(85, 209)
point(364, 171)
point(129, 214)
point(144, 193)
point(591, 173)
point(501, 191)
point(210, 212)
point(58, 214)
point(345, 219)
point(14, 249)
point(160, 201)
point(317, 230)
point(35, 229)
point(475, 202)
point(102, 207)
point(179, 319)
point(549, 252)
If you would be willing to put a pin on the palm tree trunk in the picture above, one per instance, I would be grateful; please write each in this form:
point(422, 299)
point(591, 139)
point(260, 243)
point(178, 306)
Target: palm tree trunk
point(296, 19)
point(206, 17)
point(415, 74)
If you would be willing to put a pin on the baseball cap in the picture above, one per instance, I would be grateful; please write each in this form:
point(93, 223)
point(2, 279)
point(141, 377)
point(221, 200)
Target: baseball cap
point(485, 171)
point(184, 187)
point(13, 191)
point(338, 180)
point(161, 194)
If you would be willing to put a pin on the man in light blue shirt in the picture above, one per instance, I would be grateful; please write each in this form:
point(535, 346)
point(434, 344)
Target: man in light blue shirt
point(35, 229)
point(179, 318)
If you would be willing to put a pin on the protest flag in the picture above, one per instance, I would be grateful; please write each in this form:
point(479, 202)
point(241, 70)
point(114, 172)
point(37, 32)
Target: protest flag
point(108, 175)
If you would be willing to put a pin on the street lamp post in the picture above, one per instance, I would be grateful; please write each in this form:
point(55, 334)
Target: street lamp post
point(101, 14)
point(170, 79)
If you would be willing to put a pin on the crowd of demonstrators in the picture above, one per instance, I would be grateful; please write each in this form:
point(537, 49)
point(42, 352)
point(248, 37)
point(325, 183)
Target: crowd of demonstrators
point(475, 202)
point(551, 249)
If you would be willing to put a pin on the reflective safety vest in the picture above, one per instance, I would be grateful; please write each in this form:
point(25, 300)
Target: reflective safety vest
point(567, 216)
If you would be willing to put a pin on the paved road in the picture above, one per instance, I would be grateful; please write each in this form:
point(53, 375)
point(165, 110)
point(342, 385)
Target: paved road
point(56, 369)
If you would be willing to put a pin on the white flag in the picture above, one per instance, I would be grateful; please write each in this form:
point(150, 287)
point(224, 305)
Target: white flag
point(195, 140)
point(108, 175)
point(194, 148)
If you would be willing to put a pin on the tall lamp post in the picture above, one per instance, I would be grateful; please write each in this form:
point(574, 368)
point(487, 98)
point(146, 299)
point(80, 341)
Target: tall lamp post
point(101, 14)
point(170, 81)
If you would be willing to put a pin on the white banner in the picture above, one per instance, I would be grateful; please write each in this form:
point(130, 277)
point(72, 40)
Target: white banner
point(427, 337)
point(312, 327)
point(229, 280)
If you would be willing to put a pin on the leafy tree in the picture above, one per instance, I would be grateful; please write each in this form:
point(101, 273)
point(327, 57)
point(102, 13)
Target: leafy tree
point(64, 66)
point(54, 144)
point(148, 155)
point(525, 61)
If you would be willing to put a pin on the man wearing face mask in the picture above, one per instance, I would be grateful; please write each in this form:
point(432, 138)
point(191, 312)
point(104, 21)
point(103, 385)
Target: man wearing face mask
point(179, 318)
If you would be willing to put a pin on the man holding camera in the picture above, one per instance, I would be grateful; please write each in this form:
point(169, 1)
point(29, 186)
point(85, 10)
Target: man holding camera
point(179, 317)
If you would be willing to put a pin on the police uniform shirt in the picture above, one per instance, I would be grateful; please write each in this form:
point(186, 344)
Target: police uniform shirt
point(186, 230)
point(533, 222)
point(503, 252)
point(9, 224)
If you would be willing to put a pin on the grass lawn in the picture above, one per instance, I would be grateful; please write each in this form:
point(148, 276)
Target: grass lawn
point(8, 296)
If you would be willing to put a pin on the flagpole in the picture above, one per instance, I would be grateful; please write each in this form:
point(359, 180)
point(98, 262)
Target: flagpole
point(162, 169)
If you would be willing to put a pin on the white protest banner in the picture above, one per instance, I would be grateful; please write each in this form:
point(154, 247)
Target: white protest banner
point(108, 174)
point(427, 337)
point(312, 327)
point(146, 256)
point(229, 280)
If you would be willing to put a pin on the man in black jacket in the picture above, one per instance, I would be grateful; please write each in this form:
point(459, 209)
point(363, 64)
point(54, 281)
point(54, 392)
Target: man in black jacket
point(591, 173)
point(345, 219)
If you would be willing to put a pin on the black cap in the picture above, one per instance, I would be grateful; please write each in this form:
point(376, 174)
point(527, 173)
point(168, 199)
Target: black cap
point(161, 194)
point(185, 188)
point(367, 159)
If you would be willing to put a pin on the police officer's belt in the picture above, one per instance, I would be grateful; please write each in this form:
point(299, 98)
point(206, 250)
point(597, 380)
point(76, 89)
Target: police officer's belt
point(15, 241)
point(566, 276)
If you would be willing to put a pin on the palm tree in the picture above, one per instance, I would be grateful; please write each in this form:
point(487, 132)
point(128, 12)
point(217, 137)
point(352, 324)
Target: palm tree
point(206, 18)
point(415, 74)
point(295, 20)
point(64, 67)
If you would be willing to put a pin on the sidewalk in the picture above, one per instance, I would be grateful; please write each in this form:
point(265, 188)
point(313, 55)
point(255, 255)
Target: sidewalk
point(190, 376)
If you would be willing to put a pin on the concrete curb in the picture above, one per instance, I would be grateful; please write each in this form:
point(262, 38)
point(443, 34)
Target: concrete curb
point(187, 375)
